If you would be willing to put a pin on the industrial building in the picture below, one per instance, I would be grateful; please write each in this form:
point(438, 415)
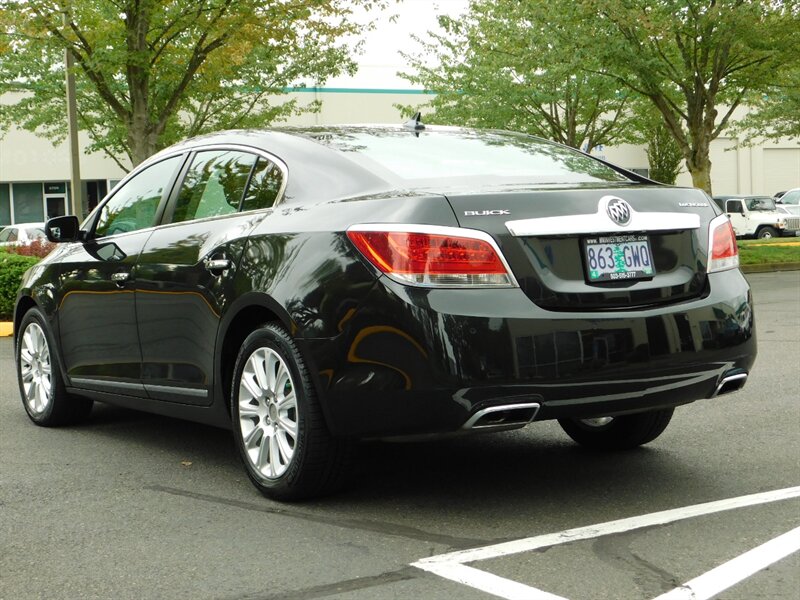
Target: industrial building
point(34, 174)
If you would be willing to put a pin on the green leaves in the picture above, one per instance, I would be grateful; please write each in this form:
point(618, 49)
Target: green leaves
point(695, 60)
point(576, 71)
point(515, 65)
point(154, 71)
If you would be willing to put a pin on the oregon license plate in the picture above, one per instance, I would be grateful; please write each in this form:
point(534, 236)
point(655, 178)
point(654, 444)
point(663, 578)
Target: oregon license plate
point(618, 257)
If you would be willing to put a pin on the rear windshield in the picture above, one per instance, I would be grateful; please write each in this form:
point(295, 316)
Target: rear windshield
point(459, 155)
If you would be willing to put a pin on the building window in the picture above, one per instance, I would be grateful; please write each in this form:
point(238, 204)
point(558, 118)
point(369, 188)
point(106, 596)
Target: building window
point(28, 203)
point(5, 204)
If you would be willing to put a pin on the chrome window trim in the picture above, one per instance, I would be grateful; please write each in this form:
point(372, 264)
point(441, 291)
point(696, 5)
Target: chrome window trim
point(250, 150)
point(156, 158)
point(600, 222)
point(443, 230)
point(91, 218)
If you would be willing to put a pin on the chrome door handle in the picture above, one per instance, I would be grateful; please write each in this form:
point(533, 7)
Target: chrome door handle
point(217, 264)
point(120, 278)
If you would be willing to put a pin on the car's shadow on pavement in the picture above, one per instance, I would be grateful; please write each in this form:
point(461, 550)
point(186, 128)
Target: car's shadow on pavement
point(490, 476)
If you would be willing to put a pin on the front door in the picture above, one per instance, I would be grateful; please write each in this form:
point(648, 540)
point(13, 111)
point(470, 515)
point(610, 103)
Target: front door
point(97, 311)
point(735, 211)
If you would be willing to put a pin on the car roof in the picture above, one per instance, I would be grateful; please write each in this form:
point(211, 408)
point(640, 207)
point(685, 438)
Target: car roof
point(316, 170)
point(319, 170)
point(25, 225)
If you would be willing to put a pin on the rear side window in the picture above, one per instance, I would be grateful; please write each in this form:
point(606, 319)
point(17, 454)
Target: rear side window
point(214, 184)
point(133, 206)
point(265, 184)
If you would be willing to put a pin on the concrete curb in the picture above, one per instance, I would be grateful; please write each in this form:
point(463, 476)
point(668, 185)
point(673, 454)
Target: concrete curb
point(7, 328)
point(771, 267)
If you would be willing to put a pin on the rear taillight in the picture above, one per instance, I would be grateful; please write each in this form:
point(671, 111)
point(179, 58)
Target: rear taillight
point(433, 256)
point(723, 251)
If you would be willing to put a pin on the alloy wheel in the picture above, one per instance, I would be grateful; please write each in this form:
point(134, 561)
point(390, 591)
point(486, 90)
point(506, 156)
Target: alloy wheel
point(268, 416)
point(35, 368)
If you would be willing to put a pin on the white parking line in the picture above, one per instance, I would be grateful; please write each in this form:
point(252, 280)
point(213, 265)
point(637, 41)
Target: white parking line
point(452, 565)
point(732, 572)
point(490, 583)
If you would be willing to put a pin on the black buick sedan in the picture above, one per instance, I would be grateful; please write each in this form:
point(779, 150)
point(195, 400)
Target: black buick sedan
point(312, 287)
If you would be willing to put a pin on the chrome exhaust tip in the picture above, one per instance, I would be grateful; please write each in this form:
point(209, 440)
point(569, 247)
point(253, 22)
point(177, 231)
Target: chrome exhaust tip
point(504, 416)
point(732, 382)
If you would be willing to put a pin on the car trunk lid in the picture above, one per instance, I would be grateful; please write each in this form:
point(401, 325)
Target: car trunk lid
point(553, 239)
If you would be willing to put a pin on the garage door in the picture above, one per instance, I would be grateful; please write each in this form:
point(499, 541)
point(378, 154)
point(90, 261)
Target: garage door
point(781, 169)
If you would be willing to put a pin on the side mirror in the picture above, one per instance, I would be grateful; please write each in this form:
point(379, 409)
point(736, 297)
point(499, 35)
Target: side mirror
point(62, 229)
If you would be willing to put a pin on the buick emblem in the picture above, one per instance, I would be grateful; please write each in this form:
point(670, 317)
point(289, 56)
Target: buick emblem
point(619, 211)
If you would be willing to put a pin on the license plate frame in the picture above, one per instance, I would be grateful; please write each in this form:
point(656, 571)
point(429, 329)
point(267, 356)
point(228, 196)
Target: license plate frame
point(632, 256)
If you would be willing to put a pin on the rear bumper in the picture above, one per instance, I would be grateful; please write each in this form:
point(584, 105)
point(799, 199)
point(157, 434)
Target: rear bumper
point(415, 361)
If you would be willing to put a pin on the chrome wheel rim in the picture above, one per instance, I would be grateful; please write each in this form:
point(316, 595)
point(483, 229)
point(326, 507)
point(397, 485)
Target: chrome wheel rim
point(597, 421)
point(35, 369)
point(268, 413)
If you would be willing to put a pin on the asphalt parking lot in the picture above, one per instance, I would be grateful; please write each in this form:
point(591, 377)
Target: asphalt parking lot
point(132, 505)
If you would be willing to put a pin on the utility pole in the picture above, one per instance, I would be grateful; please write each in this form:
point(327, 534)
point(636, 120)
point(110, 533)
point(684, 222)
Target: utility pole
point(76, 193)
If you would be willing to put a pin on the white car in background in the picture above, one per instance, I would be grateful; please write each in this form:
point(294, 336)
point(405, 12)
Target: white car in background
point(21, 233)
point(790, 202)
point(758, 217)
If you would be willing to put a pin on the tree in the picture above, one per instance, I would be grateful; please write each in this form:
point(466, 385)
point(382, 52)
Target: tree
point(663, 153)
point(151, 72)
point(509, 64)
point(696, 60)
point(776, 113)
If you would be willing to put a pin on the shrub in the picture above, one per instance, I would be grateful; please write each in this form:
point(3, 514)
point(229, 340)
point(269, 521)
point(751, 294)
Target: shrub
point(39, 247)
point(12, 268)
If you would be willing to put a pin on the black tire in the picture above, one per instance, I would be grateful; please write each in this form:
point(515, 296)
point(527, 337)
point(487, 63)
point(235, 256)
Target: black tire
point(766, 233)
point(41, 386)
point(296, 457)
point(620, 433)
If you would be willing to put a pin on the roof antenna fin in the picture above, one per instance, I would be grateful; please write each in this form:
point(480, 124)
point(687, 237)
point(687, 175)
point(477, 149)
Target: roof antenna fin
point(415, 122)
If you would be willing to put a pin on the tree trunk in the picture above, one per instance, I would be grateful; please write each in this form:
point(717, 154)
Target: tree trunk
point(698, 160)
point(142, 141)
point(700, 168)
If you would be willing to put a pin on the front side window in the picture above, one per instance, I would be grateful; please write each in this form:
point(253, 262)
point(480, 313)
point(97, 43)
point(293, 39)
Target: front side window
point(735, 206)
point(214, 184)
point(133, 206)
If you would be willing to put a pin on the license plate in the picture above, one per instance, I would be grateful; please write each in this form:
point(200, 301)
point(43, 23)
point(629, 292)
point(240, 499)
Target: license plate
point(618, 257)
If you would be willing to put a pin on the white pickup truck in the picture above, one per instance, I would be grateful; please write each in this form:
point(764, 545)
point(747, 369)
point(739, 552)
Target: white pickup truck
point(757, 216)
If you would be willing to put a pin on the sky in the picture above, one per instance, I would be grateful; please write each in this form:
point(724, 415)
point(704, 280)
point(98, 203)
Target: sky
point(381, 60)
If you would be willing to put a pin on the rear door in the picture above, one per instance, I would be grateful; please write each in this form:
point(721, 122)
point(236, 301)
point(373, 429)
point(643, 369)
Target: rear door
point(186, 269)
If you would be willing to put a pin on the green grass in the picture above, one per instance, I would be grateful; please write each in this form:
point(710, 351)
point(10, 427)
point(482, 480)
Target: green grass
point(763, 252)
